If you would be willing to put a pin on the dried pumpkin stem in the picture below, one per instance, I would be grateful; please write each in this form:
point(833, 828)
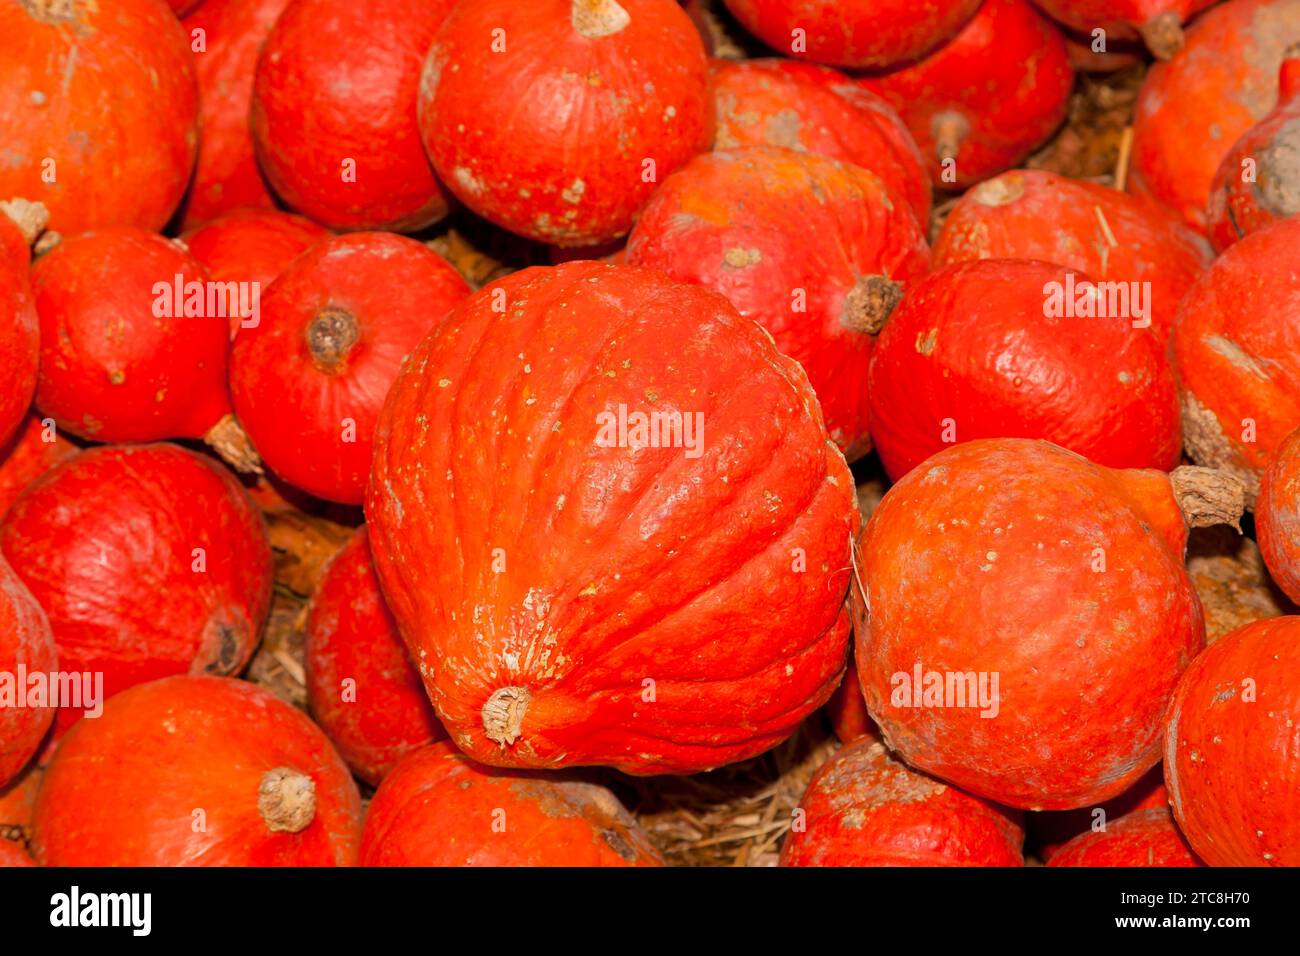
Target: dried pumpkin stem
point(1163, 35)
point(598, 18)
point(869, 304)
point(330, 337)
point(1208, 496)
point(949, 129)
point(51, 11)
point(229, 440)
point(286, 799)
point(503, 714)
point(31, 218)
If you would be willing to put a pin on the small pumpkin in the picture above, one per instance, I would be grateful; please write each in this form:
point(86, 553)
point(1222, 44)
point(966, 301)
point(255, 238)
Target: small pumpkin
point(1142, 838)
point(816, 251)
point(362, 687)
point(309, 379)
point(996, 348)
point(35, 449)
point(1159, 23)
point(847, 709)
point(1052, 829)
point(542, 174)
point(26, 648)
point(333, 112)
point(1113, 237)
point(659, 603)
point(986, 99)
point(101, 110)
point(1258, 181)
point(1025, 615)
point(857, 33)
point(865, 808)
point(1231, 748)
point(19, 327)
point(440, 808)
point(97, 540)
point(1277, 516)
point(130, 788)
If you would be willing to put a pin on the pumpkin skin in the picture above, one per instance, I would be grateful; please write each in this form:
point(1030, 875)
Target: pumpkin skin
point(1230, 762)
point(439, 808)
point(226, 175)
point(18, 799)
point(122, 790)
point(128, 61)
point(34, 450)
point(988, 98)
point(1085, 60)
point(847, 709)
point(1080, 707)
point(1036, 214)
point(543, 175)
point(857, 33)
point(335, 328)
point(1237, 353)
point(1192, 109)
point(351, 636)
point(251, 245)
point(337, 82)
point(13, 854)
point(100, 536)
point(1052, 830)
point(969, 353)
point(1277, 516)
point(1237, 207)
point(19, 329)
point(819, 110)
point(1143, 838)
point(864, 808)
point(574, 636)
point(1157, 22)
point(756, 224)
point(25, 642)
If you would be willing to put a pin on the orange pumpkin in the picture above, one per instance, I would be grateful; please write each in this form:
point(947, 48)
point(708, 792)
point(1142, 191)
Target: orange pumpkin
point(1142, 838)
point(1277, 516)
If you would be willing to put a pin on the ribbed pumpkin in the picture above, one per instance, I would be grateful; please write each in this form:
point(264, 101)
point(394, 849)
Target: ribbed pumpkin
point(439, 808)
point(26, 648)
point(1277, 516)
point(1113, 237)
point(970, 353)
point(1142, 838)
point(101, 110)
point(130, 348)
point(865, 808)
point(226, 176)
point(986, 99)
point(1025, 615)
point(819, 110)
point(859, 33)
point(1192, 109)
point(197, 771)
point(665, 601)
point(149, 560)
point(361, 685)
point(1258, 181)
point(35, 449)
point(1231, 749)
point(1052, 829)
point(1159, 23)
point(814, 250)
point(598, 111)
point(308, 381)
point(19, 328)
point(1237, 353)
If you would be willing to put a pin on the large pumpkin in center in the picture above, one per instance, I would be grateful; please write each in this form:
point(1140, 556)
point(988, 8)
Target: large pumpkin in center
point(611, 525)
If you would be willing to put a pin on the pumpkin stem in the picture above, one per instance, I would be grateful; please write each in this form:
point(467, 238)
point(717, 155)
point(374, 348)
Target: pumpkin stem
point(1208, 496)
point(31, 218)
point(229, 440)
point(869, 303)
point(330, 337)
point(504, 713)
point(949, 129)
point(1163, 35)
point(598, 18)
point(286, 800)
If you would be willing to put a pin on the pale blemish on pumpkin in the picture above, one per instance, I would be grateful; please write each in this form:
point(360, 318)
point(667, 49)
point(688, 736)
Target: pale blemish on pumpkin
point(739, 258)
point(925, 341)
point(573, 194)
point(468, 181)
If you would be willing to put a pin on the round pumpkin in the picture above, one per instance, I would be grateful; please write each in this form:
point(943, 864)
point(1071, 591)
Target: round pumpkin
point(1026, 614)
point(35, 449)
point(13, 853)
point(1277, 516)
point(1231, 749)
point(865, 808)
point(1006, 348)
point(362, 687)
point(1052, 829)
point(818, 110)
point(1258, 181)
point(858, 33)
point(440, 808)
point(101, 537)
point(505, 82)
point(309, 379)
point(1159, 23)
point(987, 99)
point(101, 110)
point(26, 649)
point(816, 251)
point(1192, 109)
point(1143, 838)
point(1237, 353)
point(1113, 237)
point(19, 327)
point(197, 771)
point(650, 596)
point(333, 112)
